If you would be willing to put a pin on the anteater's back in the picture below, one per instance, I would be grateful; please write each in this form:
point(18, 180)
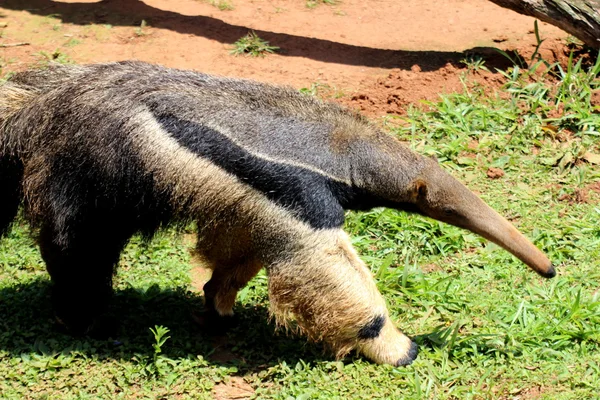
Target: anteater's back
point(276, 122)
point(142, 145)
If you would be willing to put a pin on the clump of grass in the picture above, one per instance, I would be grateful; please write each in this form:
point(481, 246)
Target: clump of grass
point(141, 30)
point(322, 90)
point(4, 72)
point(314, 3)
point(56, 56)
point(222, 5)
point(252, 45)
point(72, 42)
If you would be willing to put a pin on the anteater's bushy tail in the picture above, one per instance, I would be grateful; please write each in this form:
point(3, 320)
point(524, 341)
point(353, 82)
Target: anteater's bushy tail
point(24, 86)
point(47, 78)
point(15, 95)
point(13, 98)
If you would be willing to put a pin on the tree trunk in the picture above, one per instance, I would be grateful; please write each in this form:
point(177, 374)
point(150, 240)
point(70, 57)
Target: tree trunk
point(580, 18)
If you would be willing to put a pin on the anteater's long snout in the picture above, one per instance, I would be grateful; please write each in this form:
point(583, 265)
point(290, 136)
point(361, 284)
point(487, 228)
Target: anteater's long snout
point(497, 229)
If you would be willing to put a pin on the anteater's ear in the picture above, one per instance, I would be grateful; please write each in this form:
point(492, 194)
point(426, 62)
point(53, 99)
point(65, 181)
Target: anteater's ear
point(419, 190)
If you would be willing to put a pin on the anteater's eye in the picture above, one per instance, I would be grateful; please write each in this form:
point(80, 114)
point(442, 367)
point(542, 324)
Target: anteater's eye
point(448, 212)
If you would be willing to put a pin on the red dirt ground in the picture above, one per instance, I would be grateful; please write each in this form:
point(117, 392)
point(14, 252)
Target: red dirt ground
point(377, 56)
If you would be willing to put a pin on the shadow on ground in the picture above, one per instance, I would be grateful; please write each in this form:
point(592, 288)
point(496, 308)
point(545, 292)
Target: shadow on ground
point(132, 12)
point(252, 345)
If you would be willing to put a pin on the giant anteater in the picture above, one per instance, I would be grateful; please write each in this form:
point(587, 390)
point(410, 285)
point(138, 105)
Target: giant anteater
point(97, 153)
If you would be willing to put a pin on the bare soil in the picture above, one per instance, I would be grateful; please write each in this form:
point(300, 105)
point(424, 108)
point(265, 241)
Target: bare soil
point(376, 56)
point(233, 388)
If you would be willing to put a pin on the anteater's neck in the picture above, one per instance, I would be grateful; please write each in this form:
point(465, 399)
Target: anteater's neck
point(382, 171)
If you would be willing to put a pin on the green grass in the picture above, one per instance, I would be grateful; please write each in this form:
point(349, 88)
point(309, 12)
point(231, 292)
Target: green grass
point(56, 56)
point(487, 326)
point(222, 5)
point(314, 3)
point(72, 42)
point(141, 30)
point(252, 45)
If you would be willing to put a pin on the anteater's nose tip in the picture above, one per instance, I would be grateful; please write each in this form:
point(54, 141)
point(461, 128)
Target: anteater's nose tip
point(549, 273)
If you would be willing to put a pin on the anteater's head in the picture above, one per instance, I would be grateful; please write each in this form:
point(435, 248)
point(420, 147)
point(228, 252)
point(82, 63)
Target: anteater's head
point(438, 195)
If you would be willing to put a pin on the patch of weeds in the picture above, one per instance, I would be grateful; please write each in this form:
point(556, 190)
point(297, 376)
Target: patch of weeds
point(313, 90)
point(474, 62)
point(566, 105)
point(72, 42)
point(314, 3)
point(322, 90)
point(56, 56)
point(158, 365)
point(223, 5)
point(141, 30)
point(252, 45)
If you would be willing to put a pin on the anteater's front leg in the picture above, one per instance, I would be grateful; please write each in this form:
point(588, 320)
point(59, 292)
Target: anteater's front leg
point(81, 268)
point(332, 296)
point(227, 279)
point(230, 256)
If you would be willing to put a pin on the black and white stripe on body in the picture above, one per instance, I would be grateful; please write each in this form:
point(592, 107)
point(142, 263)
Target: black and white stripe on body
point(312, 196)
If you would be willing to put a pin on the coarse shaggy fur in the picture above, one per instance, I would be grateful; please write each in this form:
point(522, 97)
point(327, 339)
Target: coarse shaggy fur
point(97, 153)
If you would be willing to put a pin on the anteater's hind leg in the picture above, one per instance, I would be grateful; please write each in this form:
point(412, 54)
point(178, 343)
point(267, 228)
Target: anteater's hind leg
point(11, 173)
point(331, 295)
point(81, 268)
